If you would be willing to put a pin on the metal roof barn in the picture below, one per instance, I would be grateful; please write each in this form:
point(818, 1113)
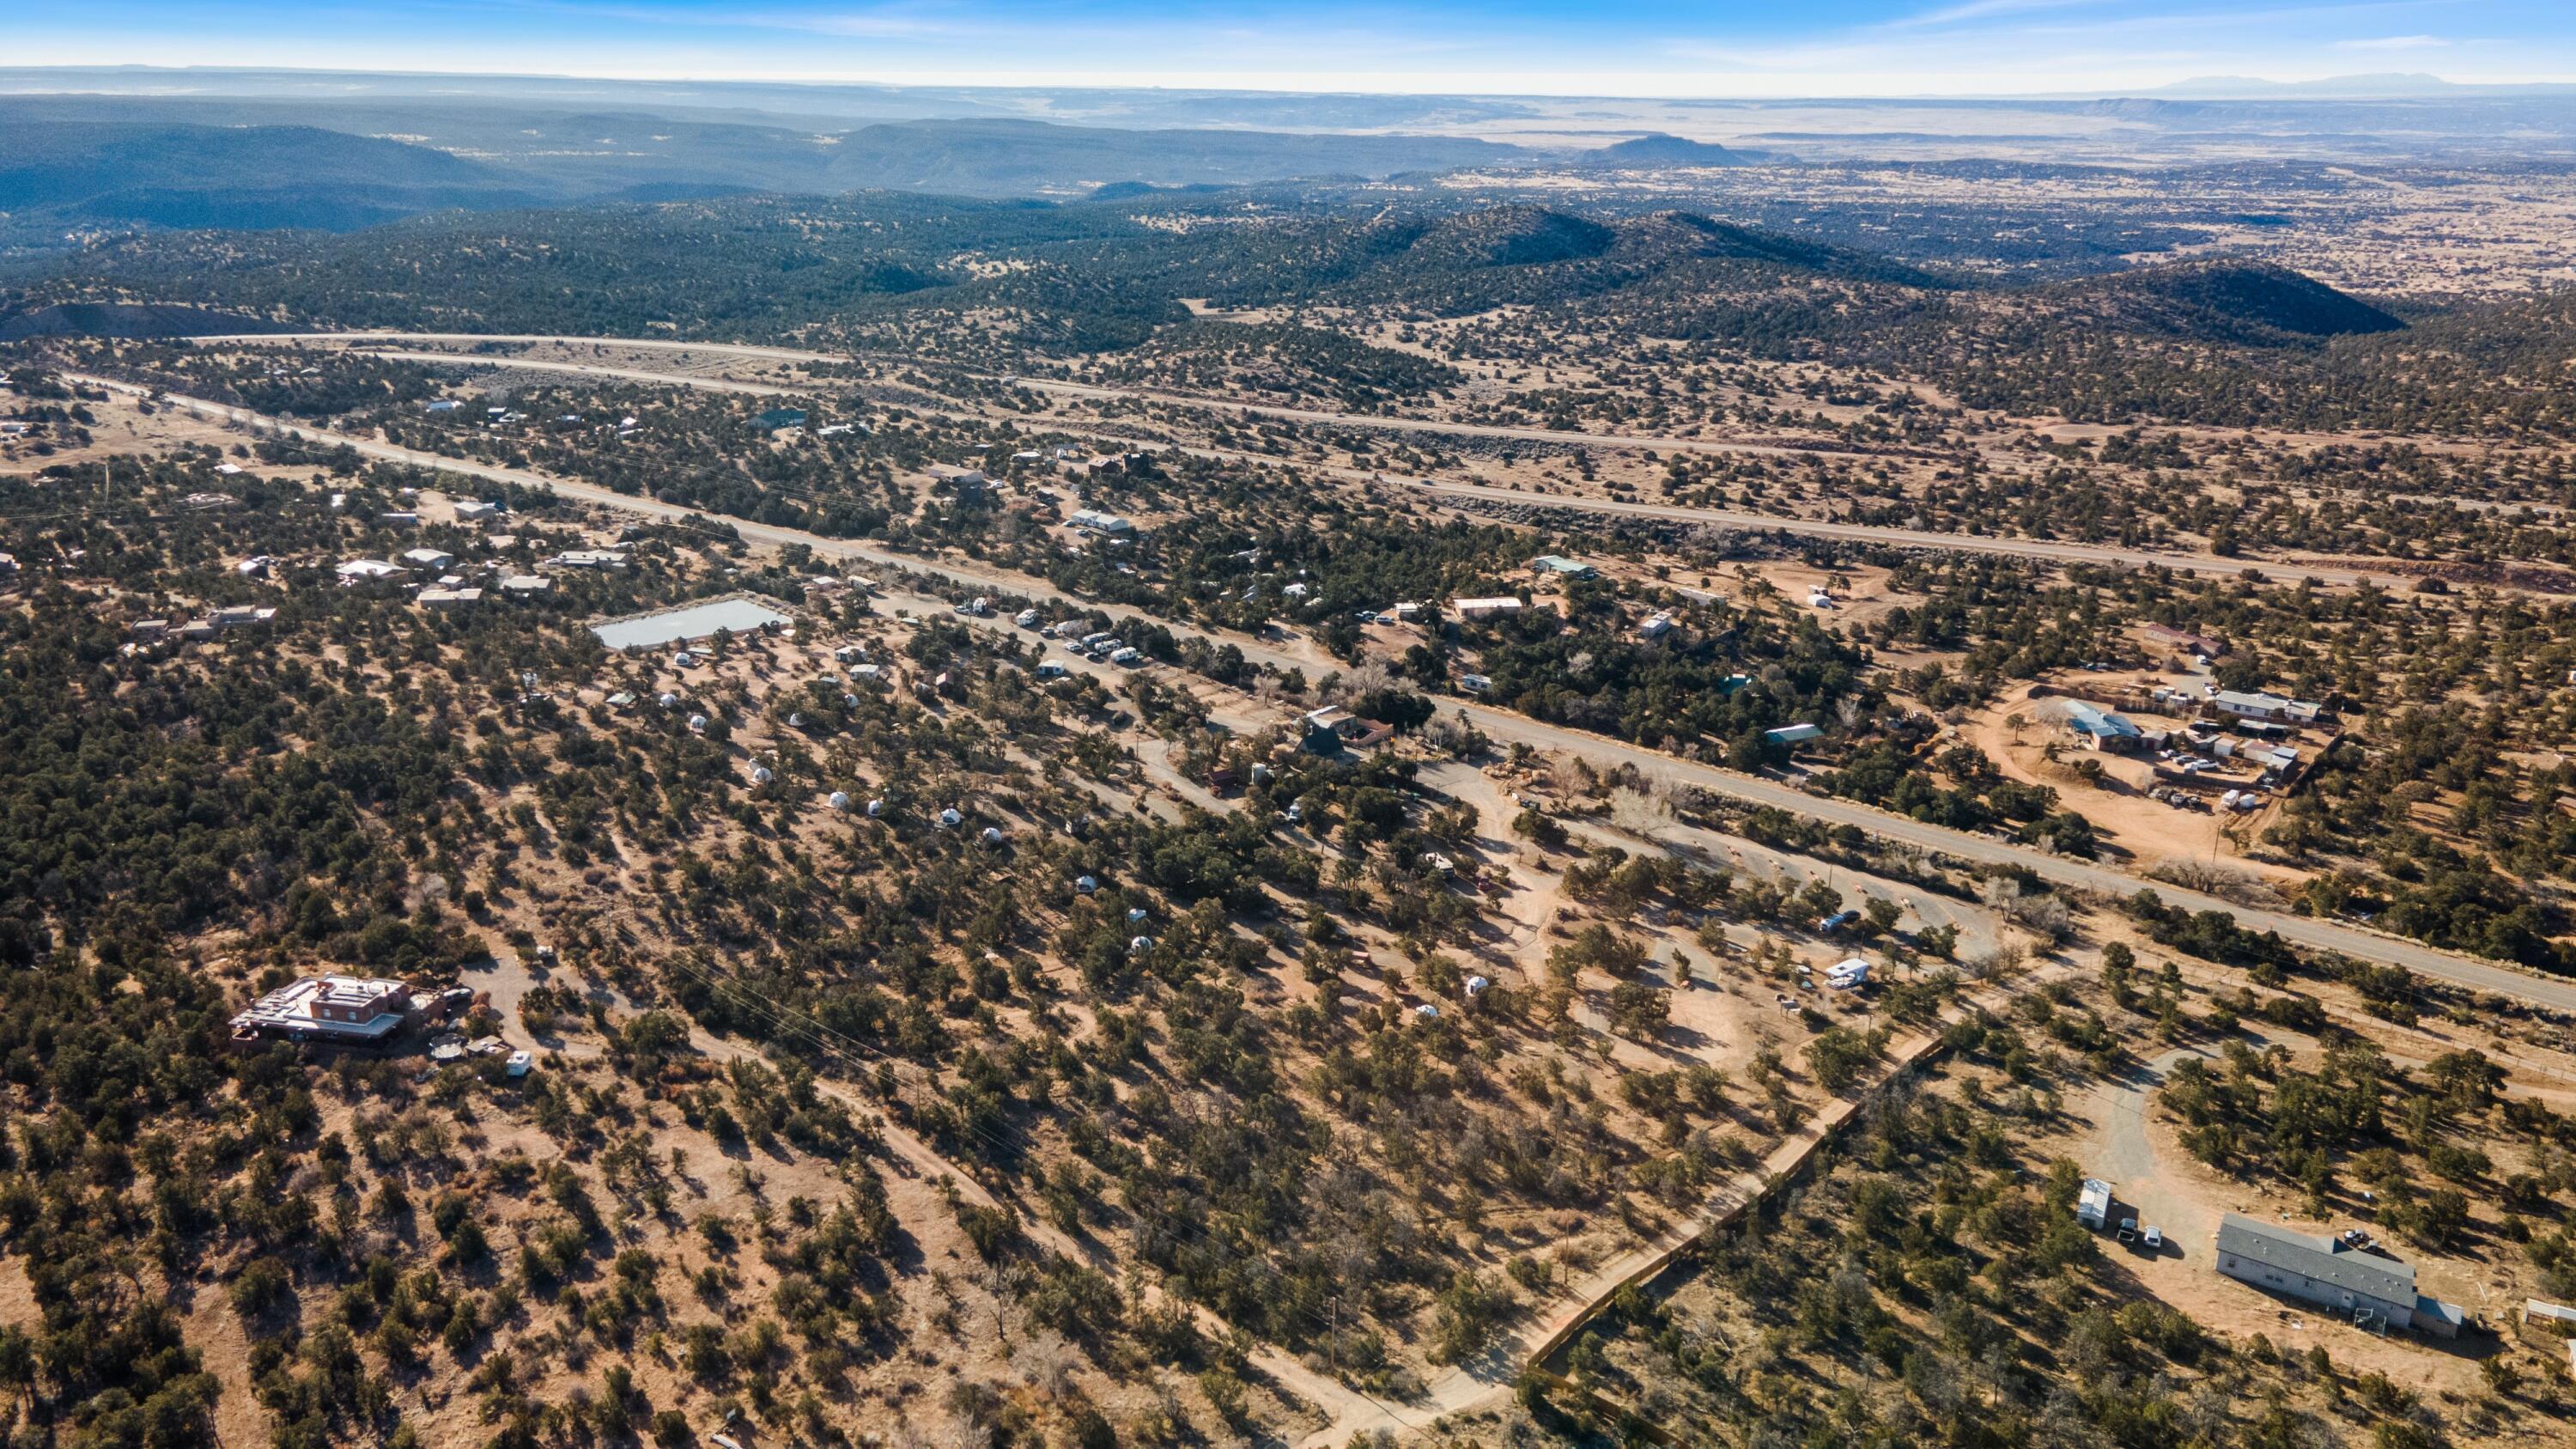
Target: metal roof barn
point(698, 621)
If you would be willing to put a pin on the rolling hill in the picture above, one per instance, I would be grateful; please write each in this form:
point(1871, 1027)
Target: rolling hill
point(185, 175)
point(2226, 301)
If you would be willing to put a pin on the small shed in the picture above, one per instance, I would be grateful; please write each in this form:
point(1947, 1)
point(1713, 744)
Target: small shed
point(2093, 1204)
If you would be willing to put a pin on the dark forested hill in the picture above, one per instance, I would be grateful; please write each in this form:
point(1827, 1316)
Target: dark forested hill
point(1003, 283)
point(210, 176)
point(2227, 301)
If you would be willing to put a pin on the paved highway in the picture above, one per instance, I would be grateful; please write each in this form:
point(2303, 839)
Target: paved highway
point(1074, 389)
point(2046, 549)
point(2039, 548)
point(1326, 417)
point(1503, 725)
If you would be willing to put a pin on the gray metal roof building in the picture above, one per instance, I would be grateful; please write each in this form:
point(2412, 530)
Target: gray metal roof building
point(2319, 1270)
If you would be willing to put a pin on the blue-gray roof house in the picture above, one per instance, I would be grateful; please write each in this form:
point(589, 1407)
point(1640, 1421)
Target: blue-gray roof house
point(2102, 728)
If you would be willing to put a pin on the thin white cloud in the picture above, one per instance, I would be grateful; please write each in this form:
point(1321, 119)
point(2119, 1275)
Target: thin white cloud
point(2393, 42)
point(1984, 9)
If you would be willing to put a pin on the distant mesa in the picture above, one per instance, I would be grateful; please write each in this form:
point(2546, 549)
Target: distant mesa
point(1660, 149)
point(2381, 85)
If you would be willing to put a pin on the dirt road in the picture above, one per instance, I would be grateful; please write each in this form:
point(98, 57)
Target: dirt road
point(1474, 1384)
point(1507, 727)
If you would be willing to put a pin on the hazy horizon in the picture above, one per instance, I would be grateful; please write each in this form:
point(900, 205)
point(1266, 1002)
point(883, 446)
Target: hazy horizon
point(2358, 84)
point(1837, 48)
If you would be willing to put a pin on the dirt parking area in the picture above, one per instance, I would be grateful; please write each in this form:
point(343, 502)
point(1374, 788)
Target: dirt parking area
point(2120, 1135)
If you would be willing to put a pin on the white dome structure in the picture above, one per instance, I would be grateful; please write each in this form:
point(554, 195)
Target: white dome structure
point(1476, 985)
point(698, 722)
point(949, 819)
point(683, 660)
point(840, 800)
point(1084, 885)
point(992, 835)
point(1140, 945)
point(1427, 1012)
point(668, 699)
point(762, 775)
point(1135, 914)
point(875, 808)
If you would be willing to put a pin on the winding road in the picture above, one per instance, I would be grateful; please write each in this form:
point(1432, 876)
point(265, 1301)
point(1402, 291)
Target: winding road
point(1471, 1385)
point(1504, 725)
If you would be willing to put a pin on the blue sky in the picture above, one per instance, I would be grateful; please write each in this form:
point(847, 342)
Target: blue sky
point(1794, 47)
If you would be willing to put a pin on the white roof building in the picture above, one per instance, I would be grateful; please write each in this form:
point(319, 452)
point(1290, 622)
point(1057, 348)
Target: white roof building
point(588, 558)
point(2093, 1203)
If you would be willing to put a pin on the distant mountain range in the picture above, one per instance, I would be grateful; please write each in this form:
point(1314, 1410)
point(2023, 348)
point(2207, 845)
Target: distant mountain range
point(93, 149)
point(233, 165)
point(2377, 86)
